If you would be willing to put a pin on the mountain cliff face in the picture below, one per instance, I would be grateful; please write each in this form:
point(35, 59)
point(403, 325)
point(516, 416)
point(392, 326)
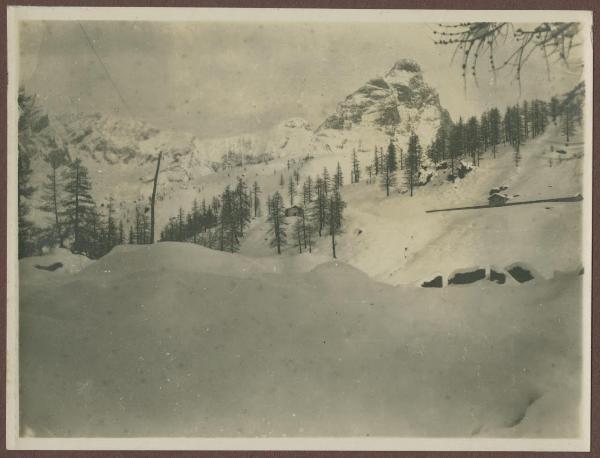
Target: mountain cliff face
point(396, 104)
point(103, 141)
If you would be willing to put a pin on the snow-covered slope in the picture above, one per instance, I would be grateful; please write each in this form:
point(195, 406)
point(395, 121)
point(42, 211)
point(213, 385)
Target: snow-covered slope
point(178, 340)
point(62, 262)
point(394, 240)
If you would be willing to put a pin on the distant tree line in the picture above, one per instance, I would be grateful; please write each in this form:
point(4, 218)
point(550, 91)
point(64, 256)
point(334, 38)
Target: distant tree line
point(518, 124)
point(219, 225)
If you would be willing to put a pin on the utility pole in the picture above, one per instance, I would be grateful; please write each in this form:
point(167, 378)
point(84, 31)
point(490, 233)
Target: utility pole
point(154, 199)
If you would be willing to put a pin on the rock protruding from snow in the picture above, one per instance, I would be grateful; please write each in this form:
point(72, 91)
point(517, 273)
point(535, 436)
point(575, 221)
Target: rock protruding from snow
point(467, 276)
point(296, 123)
point(58, 263)
point(521, 272)
point(436, 282)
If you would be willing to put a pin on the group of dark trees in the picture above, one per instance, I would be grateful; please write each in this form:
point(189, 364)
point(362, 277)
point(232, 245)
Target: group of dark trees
point(75, 219)
point(320, 211)
point(219, 225)
point(520, 122)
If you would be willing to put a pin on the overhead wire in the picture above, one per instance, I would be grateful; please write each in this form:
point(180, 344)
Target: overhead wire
point(114, 85)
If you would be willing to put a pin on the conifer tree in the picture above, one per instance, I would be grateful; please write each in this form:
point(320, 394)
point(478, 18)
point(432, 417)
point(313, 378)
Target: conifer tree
point(484, 131)
point(335, 216)
point(93, 234)
point(139, 227)
point(229, 222)
point(32, 141)
point(297, 234)
point(391, 163)
point(242, 206)
point(111, 226)
point(454, 147)
point(216, 205)
point(189, 226)
point(277, 220)
point(320, 205)
point(495, 129)
point(517, 128)
point(52, 197)
point(338, 178)
point(269, 205)
point(291, 191)
point(256, 201)
point(507, 125)
point(388, 176)
point(413, 162)
point(78, 204)
point(355, 168)
point(307, 192)
point(180, 225)
point(472, 138)
point(121, 237)
point(461, 140)
point(326, 181)
point(306, 230)
point(376, 162)
point(439, 146)
point(25, 190)
point(194, 220)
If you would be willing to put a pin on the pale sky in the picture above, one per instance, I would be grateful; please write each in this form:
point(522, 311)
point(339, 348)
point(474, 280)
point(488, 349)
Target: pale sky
point(216, 79)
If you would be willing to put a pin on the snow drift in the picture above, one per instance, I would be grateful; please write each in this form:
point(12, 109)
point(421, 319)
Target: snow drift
point(178, 340)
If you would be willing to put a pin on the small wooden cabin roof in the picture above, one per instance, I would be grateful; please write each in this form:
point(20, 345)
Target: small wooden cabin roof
point(498, 196)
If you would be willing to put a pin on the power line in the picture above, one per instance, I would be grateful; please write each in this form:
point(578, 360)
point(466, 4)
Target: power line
point(89, 41)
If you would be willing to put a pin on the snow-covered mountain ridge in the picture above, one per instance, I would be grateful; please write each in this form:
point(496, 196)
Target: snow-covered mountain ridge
point(121, 153)
point(398, 103)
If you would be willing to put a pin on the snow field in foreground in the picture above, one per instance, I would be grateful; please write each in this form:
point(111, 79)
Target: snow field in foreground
point(178, 340)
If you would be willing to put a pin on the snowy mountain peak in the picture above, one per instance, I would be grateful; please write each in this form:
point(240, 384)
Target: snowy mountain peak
point(406, 65)
point(396, 104)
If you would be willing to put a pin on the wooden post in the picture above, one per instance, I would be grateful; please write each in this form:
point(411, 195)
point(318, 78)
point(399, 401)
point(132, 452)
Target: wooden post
point(154, 199)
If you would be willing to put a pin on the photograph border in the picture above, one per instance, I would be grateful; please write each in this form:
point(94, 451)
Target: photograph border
point(313, 444)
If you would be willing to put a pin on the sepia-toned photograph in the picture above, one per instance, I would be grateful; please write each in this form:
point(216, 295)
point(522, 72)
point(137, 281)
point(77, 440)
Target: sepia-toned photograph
point(296, 229)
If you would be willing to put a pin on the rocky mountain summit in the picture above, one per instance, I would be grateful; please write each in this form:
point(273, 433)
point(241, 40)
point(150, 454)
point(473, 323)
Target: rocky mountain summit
point(397, 103)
